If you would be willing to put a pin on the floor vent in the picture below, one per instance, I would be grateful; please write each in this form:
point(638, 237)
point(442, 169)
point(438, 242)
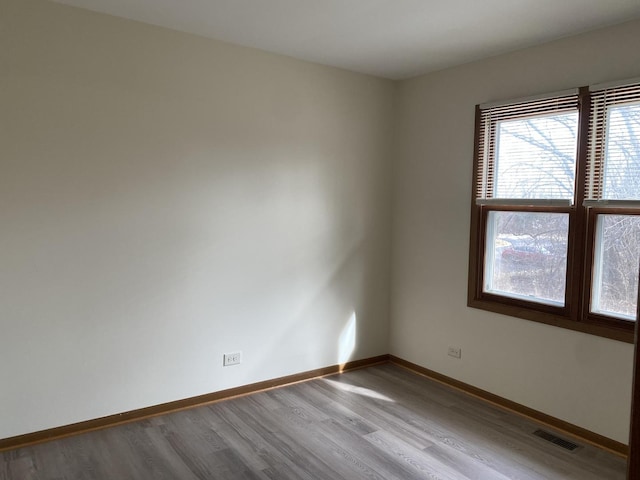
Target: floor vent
point(561, 442)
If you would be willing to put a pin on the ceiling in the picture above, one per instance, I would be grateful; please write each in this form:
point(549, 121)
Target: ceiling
point(388, 38)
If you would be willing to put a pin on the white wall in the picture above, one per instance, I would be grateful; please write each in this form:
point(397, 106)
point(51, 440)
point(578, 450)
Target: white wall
point(583, 379)
point(164, 199)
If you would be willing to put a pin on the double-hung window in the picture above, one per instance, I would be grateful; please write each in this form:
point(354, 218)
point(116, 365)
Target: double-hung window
point(555, 223)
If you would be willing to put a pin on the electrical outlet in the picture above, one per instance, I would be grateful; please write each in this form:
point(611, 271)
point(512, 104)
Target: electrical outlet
point(231, 359)
point(455, 352)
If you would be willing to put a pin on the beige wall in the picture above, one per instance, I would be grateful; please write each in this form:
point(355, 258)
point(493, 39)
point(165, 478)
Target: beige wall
point(166, 198)
point(579, 378)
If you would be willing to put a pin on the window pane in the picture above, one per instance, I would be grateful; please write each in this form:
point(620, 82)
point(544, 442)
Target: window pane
point(526, 256)
point(617, 254)
point(622, 157)
point(536, 157)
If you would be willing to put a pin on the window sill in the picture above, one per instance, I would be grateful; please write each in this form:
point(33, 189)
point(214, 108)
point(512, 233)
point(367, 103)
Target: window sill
point(620, 334)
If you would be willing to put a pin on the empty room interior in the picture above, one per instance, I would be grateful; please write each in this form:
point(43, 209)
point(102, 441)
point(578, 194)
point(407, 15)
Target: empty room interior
point(244, 239)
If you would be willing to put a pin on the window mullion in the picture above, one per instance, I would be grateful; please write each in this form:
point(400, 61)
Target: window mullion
point(577, 284)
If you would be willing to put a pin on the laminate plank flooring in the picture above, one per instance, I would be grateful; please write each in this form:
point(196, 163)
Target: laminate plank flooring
point(381, 422)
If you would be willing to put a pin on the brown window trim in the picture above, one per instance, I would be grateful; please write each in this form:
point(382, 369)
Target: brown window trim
point(575, 314)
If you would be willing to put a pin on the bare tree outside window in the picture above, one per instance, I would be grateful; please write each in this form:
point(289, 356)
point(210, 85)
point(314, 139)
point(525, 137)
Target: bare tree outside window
point(622, 157)
point(527, 251)
point(617, 252)
point(536, 157)
point(528, 257)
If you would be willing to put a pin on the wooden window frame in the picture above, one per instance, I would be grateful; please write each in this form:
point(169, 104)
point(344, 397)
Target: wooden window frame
point(575, 314)
point(633, 461)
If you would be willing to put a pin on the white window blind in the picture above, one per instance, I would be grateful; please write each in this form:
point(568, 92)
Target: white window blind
point(527, 151)
point(613, 165)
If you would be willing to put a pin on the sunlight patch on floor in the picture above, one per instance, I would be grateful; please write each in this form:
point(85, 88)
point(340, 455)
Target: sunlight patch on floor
point(365, 392)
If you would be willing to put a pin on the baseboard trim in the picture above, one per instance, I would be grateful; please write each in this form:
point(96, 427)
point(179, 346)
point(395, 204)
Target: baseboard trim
point(42, 436)
point(175, 406)
point(580, 433)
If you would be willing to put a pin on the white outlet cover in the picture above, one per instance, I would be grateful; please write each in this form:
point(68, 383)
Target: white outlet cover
point(234, 358)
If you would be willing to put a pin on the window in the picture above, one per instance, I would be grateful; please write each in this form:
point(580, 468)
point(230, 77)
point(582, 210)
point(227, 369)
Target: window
point(555, 223)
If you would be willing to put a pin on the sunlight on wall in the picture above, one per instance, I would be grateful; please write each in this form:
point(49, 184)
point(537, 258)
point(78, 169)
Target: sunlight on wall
point(347, 341)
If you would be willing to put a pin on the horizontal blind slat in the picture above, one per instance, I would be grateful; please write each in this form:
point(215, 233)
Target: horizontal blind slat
point(612, 143)
point(492, 115)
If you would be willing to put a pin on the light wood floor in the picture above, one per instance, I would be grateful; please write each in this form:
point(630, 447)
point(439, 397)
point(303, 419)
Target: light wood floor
point(381, 422)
